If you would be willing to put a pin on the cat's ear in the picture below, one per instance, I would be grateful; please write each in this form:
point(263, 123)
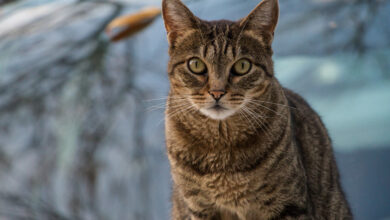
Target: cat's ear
point(178, 19)
point(263, 18)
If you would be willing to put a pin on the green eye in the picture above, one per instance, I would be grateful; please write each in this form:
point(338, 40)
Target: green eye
point(242, 67)
point(197, 66)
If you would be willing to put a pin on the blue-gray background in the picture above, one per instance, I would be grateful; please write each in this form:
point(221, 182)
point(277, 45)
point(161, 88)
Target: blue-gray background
point(81, 119)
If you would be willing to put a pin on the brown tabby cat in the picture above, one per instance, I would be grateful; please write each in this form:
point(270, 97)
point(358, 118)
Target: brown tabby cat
point(240, 145)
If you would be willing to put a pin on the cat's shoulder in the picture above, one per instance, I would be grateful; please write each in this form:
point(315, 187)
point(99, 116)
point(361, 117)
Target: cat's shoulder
point(298, 105)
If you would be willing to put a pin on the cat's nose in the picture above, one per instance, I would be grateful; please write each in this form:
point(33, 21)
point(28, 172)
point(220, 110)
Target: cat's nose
point(217, 94)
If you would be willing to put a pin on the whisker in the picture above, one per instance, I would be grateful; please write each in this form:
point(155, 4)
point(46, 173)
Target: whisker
point(253, 117)
point(258, 121)
point(263, 125)
point(182, 96)
point(164, 104)
point(276, 104)
point(243, 114)
point(177, 111)
point(179, 107)
point(156, 99)
point(153, 108)
point(260, 105)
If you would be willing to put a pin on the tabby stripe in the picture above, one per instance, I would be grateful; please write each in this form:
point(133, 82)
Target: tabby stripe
point(250, 192)
point(260, 89)
point(225, 48)
point(214, 31)
point(229, 34)
point(332, 174)
point(270, 201)
point(256, 38)
point(191, 193)
point(263, 186)
point(281, 155)
point(234, 50)
point(215, 45)
point(263, 67)
point(319, 169)
point(236, 99)
point(330, 189)
point(264, 157)
point(227, 29)
point(198, 214)
point(205, 47)
point(323, 173)
point(325, 159)
point(293, 211)
point(176, 65)
point(289, 179)
point(181, 38)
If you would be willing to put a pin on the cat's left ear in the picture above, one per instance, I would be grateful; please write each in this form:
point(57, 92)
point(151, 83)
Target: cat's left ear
point(263, 18)
point(178, 19)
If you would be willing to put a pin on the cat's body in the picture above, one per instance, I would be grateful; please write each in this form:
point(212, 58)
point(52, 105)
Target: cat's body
point(291, 174)
point(240, 145)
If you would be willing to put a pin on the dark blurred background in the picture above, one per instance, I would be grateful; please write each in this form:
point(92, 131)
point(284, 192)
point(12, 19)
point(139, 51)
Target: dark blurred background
point(81, 118)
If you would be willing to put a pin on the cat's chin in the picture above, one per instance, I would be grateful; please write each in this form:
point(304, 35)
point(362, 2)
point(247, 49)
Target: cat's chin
point(217, 113)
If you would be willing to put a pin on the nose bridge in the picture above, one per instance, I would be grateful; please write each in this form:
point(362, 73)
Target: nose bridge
point(217, 81)
point(218, 78)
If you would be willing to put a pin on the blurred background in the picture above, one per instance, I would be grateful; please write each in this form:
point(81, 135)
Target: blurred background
point(81, 117)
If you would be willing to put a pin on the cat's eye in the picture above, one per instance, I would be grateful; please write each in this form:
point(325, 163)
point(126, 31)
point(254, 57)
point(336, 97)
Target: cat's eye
point(242, 67)
point(197, 66)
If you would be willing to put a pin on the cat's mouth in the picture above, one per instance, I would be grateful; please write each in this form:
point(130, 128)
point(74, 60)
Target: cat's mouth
point(217, 107)
point(217, 111)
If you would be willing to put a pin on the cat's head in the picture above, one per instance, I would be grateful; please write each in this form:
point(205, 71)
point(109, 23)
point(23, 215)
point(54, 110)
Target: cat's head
point(220, 66)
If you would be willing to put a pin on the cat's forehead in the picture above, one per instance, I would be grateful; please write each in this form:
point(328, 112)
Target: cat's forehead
point(220, 28)
point(224, 39)
point(217, 41)
point(209, 36)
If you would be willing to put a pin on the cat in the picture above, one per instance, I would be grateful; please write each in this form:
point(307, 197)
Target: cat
point(241, 146)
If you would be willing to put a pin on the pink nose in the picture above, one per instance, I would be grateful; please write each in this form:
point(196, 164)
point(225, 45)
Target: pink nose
point(217, 94)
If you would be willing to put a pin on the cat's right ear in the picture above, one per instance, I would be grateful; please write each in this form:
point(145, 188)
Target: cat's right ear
point(263, 18)
point(178, 19)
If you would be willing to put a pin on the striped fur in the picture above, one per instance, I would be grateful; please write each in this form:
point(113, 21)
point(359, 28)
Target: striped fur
point(271, 159)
